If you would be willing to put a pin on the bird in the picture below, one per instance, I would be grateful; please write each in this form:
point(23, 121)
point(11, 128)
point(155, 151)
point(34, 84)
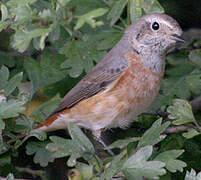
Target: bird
point(124, 83)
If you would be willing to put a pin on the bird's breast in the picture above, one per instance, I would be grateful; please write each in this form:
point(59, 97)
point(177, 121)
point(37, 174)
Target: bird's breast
point(135, 89)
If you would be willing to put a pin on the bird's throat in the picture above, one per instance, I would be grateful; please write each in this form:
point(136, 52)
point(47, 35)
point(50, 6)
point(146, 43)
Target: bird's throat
point(154, 62)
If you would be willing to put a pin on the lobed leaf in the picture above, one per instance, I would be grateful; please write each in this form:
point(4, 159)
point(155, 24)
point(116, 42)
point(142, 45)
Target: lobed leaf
point(86, 170)
point(153, 135)
point(44, 110)
point(195, 57)
point(191, 133)
point(9, 85)
point(13, 3)
point(152, 6)
point(22, 39)
point(80, 138)
point(180, 112)
point(135, 10)
point(171, 163)
point(122, 143)
point(45, 72)
point(4, 12)
point(80, 55)
point(193, 83)
point(42, 156)
point(114, 167)
point(89, 18)
point(116, 11)
point(138, 166)
point(11, 108)
point(192, 175)
point(61, 147)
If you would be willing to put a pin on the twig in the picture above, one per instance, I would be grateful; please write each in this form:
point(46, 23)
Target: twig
point(176, 129)
point(39, 173)
point(157, 113)
point(3, 178)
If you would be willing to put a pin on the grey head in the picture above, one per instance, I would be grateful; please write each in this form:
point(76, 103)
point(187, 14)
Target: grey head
point(152, 36)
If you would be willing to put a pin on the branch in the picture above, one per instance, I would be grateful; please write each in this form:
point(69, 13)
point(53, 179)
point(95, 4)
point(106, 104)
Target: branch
point(3, 178)
point(157, 113)
point(176, 129)
point(39, 173)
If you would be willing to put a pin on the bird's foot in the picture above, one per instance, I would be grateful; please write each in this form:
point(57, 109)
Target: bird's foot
point(97, 137)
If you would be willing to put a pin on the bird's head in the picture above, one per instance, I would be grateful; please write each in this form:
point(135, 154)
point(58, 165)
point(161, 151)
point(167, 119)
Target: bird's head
point(155, 32)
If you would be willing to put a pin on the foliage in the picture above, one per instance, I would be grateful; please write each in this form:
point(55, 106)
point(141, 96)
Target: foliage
point(47, 48)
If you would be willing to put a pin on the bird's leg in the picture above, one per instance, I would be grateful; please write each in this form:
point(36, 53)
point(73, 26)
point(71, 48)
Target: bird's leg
point(97, 137)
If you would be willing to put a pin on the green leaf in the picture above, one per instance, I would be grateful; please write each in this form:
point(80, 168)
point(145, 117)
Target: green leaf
point(78, 147)
point(153, 135)
point(11, 108)
point(21, 40)
point(138, 166)
point(44, 110)
point(13, 3)
point(4, 75)
point(114, 167)
point(10, 177)
point(61, 147)
point(175, 87)
point(3, 148)
point(2, 125)
point(109, 39)
point(171, 163)
point(152, 6)
point(40, 135)
point(135, 10)
point(45, 72)
point(116, 11)
point(191, 133)
point(180, 112)
point(7, 60)
point(22, 13)
point(5, 159)
point(23, 125)
point(4, 12)
point(193, 83)
point(9, 85)
point(192, 175)
point(122, 143)
point(89, 18)
point(195, 57)
point(86, 170)
point(80, 138)
point(62, 3)
point(80, 55)
point(4, 24)
point(42, 156)
point(13, 83)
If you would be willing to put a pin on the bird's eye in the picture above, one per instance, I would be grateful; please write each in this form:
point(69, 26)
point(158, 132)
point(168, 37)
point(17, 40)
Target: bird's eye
point(155, 26)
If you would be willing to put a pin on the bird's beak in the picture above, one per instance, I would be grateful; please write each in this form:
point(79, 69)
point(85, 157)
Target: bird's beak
point(177, 38)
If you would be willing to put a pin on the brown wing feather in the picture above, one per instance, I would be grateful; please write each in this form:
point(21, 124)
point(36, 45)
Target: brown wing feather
point(105, 72)
point(91, 84)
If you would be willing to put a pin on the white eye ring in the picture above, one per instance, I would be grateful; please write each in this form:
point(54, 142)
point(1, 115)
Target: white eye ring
point(155, 26)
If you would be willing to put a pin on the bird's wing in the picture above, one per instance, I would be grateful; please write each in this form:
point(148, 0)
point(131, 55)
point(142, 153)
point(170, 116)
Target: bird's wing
point(104, 73)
